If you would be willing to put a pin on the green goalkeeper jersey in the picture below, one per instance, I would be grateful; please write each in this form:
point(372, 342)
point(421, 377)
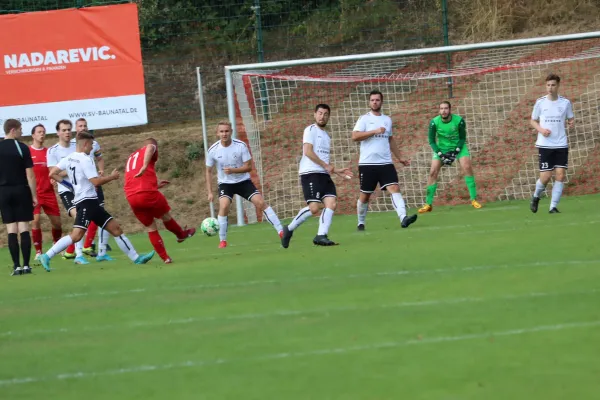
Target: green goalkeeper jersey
point(450, 135)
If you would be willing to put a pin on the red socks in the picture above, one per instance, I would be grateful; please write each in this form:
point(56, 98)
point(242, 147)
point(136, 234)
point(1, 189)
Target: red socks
point(158, 244)
point(91, 234)
point(37, 239)
point(56, 234)
point(174, 227)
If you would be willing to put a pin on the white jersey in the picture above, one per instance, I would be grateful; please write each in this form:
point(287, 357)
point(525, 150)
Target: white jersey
point(96, 151)
point(81, 168)
point(232, 156)
point(321, 146)
point(376, 149)
point(552, 115)
point(57, 153)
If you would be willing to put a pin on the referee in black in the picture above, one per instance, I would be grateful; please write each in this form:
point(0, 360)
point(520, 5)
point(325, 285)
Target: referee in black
point(17, 193)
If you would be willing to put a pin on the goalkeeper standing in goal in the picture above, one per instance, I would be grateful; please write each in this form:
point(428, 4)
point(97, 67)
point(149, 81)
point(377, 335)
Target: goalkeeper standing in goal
point(447, 138)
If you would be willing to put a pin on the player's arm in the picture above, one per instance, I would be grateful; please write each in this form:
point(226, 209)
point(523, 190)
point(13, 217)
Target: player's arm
point(208, 180)
point(312, 156)
point(100, 163)
point(396, 151)
point(535, 121)
point(570, 115)
point(462, 135)
point(360, 133)
point(432, 136)
point(150, 150)
point(58, 172)
point(30, 174)
point(246, 167)
point(90, 170)
point(359, 136)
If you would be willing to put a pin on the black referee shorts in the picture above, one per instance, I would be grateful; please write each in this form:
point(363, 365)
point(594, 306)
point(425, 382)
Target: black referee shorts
point(16, 204)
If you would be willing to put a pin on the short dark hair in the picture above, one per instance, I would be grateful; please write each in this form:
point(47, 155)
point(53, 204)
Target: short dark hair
point(375, 91)
point(11, 124)
point(63, 121)
point(84, 135)
point(37, 126)
point(446, 102)
point(553, 77)
point(323, 106)
point(81, 119)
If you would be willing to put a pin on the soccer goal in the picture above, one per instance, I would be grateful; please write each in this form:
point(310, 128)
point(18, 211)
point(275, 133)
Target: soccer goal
point(492, 85)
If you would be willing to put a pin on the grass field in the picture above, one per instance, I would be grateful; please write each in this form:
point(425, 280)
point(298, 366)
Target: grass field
point(488, 304)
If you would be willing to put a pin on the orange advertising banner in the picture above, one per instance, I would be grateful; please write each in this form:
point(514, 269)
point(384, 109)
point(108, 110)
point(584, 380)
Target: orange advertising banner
point(73, 63)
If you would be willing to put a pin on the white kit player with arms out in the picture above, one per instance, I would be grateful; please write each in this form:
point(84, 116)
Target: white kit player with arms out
point(84, 178)
point(548, 118)
point(315, 178)
point(233, 161)
point(60, 150)
point(375, 166)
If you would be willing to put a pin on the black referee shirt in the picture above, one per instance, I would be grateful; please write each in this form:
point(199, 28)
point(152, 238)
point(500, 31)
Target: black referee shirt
point(15, 157)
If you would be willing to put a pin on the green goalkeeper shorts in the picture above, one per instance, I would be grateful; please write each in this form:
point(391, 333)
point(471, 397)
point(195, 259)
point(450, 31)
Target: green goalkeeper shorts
point(464, 152)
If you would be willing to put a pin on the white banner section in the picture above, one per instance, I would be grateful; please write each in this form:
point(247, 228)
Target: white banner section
point(111, 112)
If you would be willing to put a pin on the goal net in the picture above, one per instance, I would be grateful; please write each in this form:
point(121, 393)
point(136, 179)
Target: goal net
point(493, 88)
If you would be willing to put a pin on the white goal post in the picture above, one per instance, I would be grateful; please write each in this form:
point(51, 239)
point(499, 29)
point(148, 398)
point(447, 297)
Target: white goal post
point(492, 85)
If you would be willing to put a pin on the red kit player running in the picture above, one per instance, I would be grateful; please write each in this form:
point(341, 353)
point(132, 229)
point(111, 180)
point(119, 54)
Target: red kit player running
point(147, 203)
point(45, 192)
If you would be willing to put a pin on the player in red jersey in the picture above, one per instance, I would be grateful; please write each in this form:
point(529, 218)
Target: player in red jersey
point(147, 203)
point(45, 191)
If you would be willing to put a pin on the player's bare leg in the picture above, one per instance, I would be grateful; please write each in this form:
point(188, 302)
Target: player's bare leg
point(304, 214)
point(467, 170)
point(173, 227)
point(325, 220)
point(434, 172)
point(400, 206)
point(540, 186)
point(224, 206)
point(362, 206)
point(268, 213)
point(560, 175)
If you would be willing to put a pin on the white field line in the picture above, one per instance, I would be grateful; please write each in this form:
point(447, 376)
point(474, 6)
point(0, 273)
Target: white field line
point(333, 278)
point(293, 313)
point(290, 355)
point(465, 229)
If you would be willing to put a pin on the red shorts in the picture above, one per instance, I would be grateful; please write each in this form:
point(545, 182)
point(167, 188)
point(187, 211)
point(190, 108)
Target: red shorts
point(48, 203)
point(147, 206)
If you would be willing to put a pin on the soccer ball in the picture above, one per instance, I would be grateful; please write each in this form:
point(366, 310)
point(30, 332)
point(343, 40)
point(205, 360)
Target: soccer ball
point(210, 226)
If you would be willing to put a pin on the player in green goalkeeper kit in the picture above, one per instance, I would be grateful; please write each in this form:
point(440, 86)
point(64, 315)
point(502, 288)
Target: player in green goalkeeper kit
point(447, 136)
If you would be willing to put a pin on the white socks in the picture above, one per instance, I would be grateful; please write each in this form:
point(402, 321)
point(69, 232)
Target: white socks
point(325, 221)
point(302, 216)
point(79, 248)
point(102, 241)
point(557, 189)
point(399, 205)
point(59, 246)
point(539, 189)
point(126, 247)
point(273, 219)
point(222, 227)
point(361, 211)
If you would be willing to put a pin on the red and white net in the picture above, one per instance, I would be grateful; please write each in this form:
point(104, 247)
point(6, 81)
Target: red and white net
point(493, 89)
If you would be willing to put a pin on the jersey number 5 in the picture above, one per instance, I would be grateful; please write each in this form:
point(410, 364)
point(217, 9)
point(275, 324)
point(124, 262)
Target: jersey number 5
point(133, 157)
